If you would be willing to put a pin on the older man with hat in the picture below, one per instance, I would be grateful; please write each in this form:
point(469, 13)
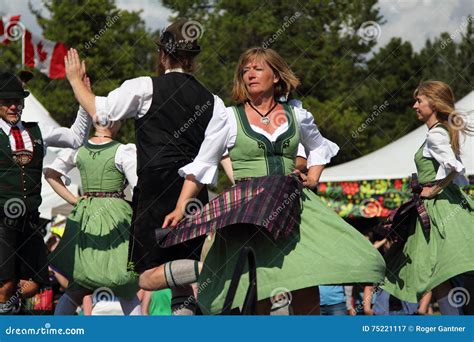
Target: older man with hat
point(23, 264)
point(173, 112)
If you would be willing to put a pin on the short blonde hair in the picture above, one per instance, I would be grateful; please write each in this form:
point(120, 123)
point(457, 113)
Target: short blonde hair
point(288, 80)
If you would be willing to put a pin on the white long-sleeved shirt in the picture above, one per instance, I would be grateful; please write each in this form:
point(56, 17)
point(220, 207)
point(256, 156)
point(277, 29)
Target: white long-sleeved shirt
point(53, 136)
point(439, 148)
point(221, 136)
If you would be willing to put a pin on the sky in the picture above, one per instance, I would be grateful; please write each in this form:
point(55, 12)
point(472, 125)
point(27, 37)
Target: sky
point(412, 20)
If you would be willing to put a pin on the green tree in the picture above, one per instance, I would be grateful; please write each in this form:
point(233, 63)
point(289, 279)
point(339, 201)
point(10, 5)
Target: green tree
point(10, 56)
point(450, 61)
point(319, 39)
point(385, 97)
point(114, 43)
point(322, 41)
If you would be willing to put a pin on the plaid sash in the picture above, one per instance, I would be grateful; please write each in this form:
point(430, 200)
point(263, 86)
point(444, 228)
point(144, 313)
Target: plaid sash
point(395, 227)
point(270, 202)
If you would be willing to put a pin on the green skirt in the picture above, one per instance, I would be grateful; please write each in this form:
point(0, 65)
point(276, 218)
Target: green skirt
point(93, 252)
point(324, 250)
point(427, 260)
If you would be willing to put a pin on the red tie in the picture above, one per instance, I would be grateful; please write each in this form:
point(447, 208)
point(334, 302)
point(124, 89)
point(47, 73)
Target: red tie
point(20, 145)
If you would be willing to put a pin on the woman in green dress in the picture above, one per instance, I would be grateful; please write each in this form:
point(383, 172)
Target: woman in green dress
point(93, 252)
point(434, 247)
point(262, 137)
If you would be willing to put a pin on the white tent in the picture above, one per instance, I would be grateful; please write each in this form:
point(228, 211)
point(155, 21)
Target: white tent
point(35, 112)
point(396, 159)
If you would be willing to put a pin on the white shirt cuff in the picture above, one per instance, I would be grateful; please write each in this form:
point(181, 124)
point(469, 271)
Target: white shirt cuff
point(203, 172)
point(101, 108)
point(56, 166)
point(447, 167)
point(323, 153)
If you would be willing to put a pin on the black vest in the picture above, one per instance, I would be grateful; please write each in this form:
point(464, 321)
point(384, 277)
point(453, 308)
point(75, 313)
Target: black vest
point(20, 186)
point(173, 128)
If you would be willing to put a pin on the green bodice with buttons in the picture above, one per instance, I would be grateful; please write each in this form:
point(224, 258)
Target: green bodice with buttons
point(253, 155)
point(96, 164)
point(21, 182)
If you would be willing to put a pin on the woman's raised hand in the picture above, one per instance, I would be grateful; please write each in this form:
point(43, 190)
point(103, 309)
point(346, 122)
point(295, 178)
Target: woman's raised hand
point(75, 69)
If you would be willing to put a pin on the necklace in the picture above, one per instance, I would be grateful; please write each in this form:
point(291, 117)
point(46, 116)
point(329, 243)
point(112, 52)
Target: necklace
point(263, 117)
point(437, 122)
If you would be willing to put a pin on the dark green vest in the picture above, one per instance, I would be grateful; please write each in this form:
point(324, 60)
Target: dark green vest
point(253, 155)
point(21, 184)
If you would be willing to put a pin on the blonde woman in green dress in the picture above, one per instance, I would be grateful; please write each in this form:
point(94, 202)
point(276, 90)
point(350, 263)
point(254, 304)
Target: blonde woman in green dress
point(262, 137)
point(437, 247)
point(93, 252)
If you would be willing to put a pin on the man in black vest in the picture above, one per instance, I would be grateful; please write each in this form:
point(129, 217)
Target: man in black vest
point(172, 114)
point(23, 263)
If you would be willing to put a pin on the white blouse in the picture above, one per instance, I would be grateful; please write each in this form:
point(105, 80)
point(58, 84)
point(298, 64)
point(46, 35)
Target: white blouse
point(439, 148)
point(223, 136)
point(125, 162)
point(53, 136)
point(133, 99)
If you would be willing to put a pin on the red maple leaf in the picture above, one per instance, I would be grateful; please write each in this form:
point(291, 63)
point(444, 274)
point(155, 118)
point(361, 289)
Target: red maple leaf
point(42, 54)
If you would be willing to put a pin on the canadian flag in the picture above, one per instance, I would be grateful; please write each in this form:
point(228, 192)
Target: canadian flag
point(10, 29)
point(45, 55)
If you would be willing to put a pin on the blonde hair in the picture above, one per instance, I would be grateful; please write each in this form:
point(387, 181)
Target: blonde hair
point(441, 100)
point(287, 79)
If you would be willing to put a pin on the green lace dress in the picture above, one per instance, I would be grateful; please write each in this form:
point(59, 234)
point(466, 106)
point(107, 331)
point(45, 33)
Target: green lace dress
point(94, 249)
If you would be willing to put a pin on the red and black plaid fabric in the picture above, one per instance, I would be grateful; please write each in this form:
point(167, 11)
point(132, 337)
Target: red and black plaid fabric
point(395, 226)
point(20, 145)
point(271, 202)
